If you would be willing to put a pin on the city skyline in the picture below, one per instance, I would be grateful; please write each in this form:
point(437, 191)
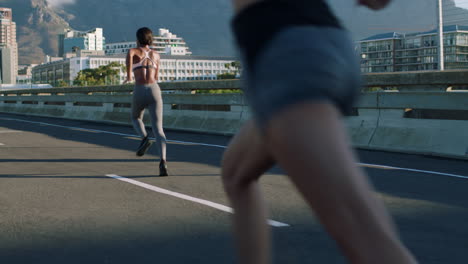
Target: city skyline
point(205, 25)
point(455, 4)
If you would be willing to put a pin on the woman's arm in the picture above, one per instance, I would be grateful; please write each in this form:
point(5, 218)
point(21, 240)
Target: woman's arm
point(374, 4)
point(129, 63)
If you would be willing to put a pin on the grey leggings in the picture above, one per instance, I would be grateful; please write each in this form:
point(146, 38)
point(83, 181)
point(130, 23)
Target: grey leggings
point(149, 96)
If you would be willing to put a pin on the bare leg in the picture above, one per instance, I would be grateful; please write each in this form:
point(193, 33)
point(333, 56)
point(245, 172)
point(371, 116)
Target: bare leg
point(309, 142)
point(244, 162)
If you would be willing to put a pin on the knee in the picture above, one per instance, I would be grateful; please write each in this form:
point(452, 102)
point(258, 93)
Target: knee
point(160, 135)
point(232, 176)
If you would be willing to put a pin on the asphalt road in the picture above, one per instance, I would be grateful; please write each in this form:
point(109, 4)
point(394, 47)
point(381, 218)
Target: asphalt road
point(74, 192)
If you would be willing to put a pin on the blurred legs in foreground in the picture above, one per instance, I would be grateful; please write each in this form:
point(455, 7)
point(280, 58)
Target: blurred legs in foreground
point(301, 130)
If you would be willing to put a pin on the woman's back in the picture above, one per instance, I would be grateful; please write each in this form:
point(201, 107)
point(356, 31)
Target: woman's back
point(145, 65)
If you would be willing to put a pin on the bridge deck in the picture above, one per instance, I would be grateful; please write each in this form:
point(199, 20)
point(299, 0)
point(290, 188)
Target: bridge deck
point(74, 192)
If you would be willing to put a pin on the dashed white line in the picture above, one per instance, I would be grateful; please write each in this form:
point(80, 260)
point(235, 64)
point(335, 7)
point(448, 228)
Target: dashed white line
point(1, 144)
point(186, 197)
point(220, 146)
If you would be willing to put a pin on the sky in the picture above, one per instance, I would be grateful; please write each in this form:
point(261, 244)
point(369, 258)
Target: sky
point(461, 3)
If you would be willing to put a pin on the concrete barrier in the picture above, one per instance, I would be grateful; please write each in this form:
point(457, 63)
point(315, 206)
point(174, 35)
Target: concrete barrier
point(432, 123)
point(184, 108)
point(418, 81)
point(383, 123)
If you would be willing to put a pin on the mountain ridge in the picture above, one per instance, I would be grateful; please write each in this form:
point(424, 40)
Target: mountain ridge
point(37, 29)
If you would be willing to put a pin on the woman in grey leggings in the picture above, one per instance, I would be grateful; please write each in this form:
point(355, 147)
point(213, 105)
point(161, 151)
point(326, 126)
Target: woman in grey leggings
point(144, 63)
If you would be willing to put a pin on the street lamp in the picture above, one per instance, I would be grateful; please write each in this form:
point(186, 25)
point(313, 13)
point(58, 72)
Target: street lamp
point(440, 22)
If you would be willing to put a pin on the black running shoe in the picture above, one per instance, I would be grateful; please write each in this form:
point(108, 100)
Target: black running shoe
point(144, 146)
point(163, 169)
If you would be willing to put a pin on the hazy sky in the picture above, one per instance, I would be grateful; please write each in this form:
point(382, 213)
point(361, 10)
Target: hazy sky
point(461, 3)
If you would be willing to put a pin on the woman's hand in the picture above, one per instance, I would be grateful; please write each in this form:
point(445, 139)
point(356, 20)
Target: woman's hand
point(374, 4)
point(127, 81)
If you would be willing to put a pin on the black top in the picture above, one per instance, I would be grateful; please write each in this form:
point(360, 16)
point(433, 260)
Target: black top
point(254, 26)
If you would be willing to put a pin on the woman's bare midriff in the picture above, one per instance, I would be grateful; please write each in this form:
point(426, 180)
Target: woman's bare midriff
point(145, 76)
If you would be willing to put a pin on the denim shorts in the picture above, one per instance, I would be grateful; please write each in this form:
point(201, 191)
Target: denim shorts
point(302, 64)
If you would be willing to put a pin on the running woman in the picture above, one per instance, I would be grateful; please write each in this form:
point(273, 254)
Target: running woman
point(301, 74)
point(144, 63)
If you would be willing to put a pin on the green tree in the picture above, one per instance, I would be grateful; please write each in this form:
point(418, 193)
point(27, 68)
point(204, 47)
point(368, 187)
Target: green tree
point(236, 65)
point(226, 76)
point(62, 83)
point(108, 74)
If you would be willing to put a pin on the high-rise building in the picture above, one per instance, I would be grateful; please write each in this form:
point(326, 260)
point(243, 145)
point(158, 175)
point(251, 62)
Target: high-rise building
point(164, 43)
point(72, 40)
point(397, 52)
point(8, 47)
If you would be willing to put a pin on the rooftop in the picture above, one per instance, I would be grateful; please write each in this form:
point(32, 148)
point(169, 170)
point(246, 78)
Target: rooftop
point(397, 35)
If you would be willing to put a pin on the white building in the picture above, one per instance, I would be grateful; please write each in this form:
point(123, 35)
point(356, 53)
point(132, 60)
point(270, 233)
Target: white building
point(164, 43)
point(83, 40)
point(93, 62)
point(418, 51)
point(182, 68)
point(172, 68)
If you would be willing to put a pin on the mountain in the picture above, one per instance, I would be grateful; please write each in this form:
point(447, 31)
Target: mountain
point(204, 24)
point(37, 28)
point(400, 16)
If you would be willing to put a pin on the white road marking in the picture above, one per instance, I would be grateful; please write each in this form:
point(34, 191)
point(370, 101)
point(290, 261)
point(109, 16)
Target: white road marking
point(198, 144)
point(412, 170)
point(1, 144)
point(220, 146)
point(186, 197)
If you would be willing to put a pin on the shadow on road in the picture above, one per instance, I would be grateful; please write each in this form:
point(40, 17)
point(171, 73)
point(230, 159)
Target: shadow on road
point(175, 152)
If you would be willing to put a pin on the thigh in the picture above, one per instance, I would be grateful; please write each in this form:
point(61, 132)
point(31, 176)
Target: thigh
point(318, 158)
point(154, 99)
point(138, 106)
